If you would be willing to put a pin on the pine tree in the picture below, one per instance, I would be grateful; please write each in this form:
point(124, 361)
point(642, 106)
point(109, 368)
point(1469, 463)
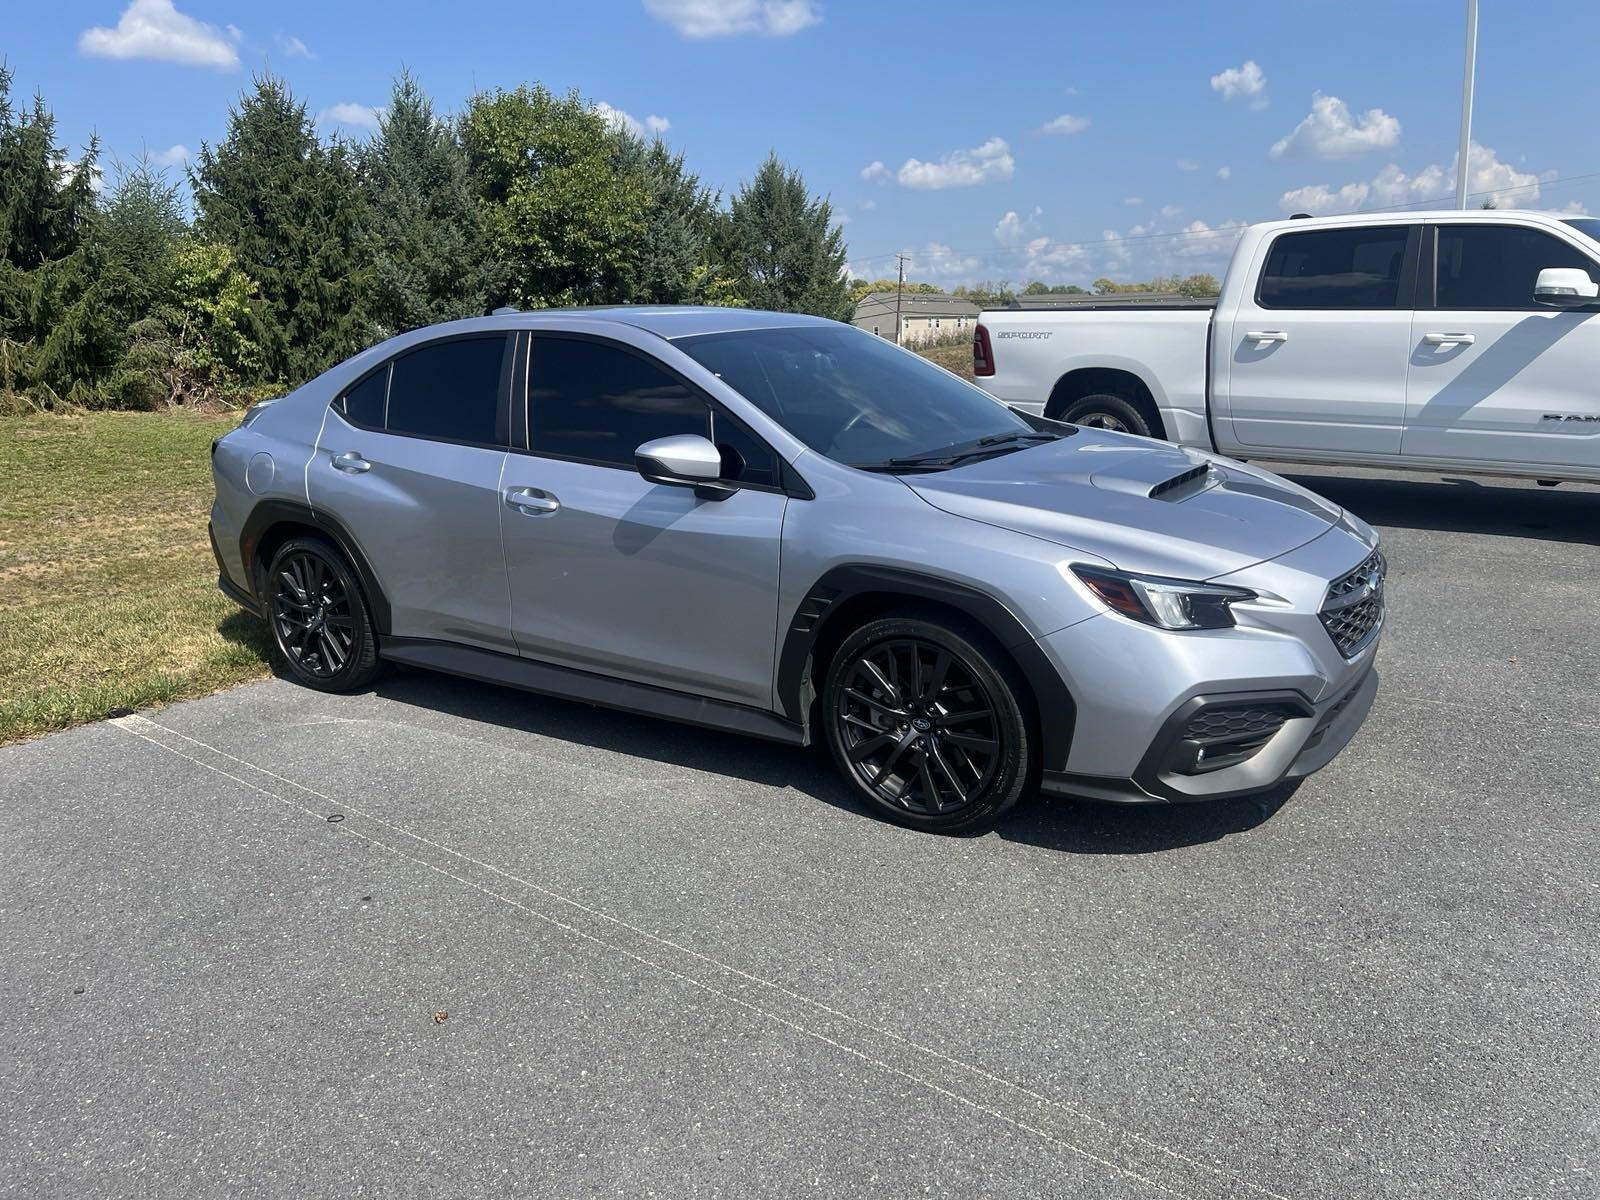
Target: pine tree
point(783, 248)
point(559, 217)
point(289, 208)
point(53, 339)
point(422, 230)
point(672, 262)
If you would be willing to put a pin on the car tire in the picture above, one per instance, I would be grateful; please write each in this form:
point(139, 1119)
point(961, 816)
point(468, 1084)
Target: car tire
point(1103, 410)
point(322, 634)
point(927, 721)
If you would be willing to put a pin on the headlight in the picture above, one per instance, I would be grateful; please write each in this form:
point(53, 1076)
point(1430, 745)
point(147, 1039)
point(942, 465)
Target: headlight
point(1166, 603)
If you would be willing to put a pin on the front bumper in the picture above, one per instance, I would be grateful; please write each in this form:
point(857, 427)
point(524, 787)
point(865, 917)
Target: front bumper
point(1168, 716)
point(1244, 760)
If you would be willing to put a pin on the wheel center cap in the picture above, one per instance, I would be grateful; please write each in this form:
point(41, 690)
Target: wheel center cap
point(921, 724)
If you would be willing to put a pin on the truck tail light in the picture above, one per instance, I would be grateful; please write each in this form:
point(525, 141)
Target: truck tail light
point(982, 352)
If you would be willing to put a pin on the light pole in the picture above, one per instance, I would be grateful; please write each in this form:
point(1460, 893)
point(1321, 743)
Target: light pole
point(1466, 104)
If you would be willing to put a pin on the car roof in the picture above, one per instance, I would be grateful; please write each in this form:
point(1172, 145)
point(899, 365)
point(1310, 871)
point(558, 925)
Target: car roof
point(664, 320)
point(1511, 215)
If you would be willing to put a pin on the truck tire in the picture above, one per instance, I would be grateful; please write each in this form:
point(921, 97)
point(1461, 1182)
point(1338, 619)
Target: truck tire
point(1106, 411)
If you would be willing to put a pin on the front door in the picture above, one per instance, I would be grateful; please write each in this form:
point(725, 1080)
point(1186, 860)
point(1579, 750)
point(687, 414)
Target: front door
point(616, 575)
point(1316, 356)
point(409, 461)
point(1495, 377)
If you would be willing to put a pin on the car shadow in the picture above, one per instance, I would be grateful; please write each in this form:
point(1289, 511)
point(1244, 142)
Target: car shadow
point(1063, 825)
point(1570, 513)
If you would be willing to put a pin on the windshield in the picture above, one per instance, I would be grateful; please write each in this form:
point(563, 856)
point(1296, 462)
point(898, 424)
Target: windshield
point(852, 396)
point(1588, 226)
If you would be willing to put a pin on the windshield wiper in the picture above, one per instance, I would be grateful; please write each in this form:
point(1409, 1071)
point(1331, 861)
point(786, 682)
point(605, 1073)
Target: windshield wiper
point(995, 443)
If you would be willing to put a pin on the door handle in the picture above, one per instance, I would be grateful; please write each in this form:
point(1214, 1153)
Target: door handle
point(532, 501)
point(1266, 335)
point(1449, 339)
point(351, 463)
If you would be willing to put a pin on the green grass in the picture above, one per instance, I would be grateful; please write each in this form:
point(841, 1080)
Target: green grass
point(107, 585)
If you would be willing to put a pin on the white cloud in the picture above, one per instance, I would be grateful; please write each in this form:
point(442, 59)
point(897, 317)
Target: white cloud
point(293, 47)
point(876, 172)
point(1133, 201)
point(940, 261)
point(358, 116)
point(1331, 131)
point(1171, 210)
point(987, 163)
point(1574, 208)
point(1066, 123)
point(154, 29)
point(1187, 164)
point(1246, 82)
point(1013, 229)
point(728, 18)
point(173, 156)
point(1487, 179)
point(1208, 243)
point(617, 119)
point(868, 205)
point(1224, 172)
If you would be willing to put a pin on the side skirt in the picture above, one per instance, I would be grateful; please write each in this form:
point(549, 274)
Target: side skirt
point(529, 675)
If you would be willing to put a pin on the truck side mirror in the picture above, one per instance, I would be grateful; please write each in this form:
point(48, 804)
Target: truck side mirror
point(1565, 287)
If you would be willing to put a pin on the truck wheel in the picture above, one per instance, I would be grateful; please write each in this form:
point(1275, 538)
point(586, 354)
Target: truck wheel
point(1105, 411)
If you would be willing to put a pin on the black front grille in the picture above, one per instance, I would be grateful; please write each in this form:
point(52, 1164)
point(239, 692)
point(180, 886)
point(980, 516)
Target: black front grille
point(1354, 605)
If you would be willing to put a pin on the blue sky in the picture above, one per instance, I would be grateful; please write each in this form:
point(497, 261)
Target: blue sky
point(1007, 140)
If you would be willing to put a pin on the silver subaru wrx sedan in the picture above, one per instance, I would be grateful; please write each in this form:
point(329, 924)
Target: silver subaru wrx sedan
point(784, 526)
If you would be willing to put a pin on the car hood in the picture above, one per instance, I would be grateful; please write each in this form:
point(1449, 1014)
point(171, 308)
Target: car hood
point(1140, 505)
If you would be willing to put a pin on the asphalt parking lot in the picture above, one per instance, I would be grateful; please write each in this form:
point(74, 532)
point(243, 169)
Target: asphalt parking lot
point(565, 952)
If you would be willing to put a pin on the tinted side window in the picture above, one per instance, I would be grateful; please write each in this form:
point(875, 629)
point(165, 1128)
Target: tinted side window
point(363, 404)
point(449, 390)
point(1335, 268)
point(592, 401)
point(745, 457)
point(1495, 266)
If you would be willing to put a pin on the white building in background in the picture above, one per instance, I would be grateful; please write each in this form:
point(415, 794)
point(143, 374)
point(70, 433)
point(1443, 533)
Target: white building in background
point(924, 316)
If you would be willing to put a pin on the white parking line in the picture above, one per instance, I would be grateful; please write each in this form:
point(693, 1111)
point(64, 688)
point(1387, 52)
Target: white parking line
point(142, 728)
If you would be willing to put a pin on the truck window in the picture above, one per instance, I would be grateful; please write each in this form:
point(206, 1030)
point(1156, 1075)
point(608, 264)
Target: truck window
point(1335, 268)
point(1495, 266)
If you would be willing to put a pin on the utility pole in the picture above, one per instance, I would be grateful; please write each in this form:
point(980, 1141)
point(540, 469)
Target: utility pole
point(899, 290)
point(1466, 104)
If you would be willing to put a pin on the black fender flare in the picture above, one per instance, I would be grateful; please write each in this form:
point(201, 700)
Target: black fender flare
point(270, 513)
point(829, 595)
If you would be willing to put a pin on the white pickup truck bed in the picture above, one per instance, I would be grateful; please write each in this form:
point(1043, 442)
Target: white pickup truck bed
point(1433, 341)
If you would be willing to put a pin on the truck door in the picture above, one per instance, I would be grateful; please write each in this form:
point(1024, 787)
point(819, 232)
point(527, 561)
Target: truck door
point(1496, 378)
point(1317, 352)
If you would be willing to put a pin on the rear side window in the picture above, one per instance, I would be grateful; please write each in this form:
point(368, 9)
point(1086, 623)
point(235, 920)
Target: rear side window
point(1496, 266)
point(1335, 268)
point(597, 403)
point(449, 390)
point(363, 404)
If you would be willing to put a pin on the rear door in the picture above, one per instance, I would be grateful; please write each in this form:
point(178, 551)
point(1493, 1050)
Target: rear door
point(613, 574)
point(409, 461)
point(1496, 378)
point(1317, 352)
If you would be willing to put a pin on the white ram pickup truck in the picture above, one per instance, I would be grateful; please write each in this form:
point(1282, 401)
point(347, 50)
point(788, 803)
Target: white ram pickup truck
point(1439, 341)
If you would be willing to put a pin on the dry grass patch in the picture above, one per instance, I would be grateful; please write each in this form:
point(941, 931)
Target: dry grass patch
point(107, 585)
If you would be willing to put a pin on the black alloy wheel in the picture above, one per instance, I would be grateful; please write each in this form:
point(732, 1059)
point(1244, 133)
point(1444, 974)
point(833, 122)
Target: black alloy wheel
point(925, 727)
point(319, 618)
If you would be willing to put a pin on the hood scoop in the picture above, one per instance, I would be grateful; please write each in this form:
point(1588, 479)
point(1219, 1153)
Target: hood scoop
point(1183, 485)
